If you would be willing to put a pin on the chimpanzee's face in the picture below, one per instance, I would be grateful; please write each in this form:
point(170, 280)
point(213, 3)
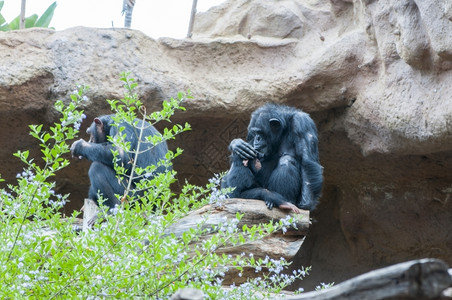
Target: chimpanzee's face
point(265, 136)
point(97, 132)
point(260, 142)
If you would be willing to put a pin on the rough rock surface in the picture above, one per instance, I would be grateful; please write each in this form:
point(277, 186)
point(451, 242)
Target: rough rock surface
point(374, 75)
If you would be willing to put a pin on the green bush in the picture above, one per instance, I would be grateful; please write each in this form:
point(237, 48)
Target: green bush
point(129, 254)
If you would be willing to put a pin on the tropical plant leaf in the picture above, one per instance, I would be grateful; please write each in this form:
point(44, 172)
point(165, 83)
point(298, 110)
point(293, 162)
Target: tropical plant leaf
point(31, 21)
point(47, 16)
point(3, 26)
point(14, 24)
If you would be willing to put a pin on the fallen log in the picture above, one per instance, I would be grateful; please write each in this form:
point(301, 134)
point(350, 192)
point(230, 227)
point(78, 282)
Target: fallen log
point(90, 210)
point(275, 246)
point(254, 212)
point(417, 279)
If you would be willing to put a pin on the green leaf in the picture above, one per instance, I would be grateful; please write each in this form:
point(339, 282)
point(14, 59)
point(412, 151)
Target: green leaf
point(46, 18)
point(30, 21)
point(1, 4)
point(2, 19)
point(14, 24)
point(4, 27)
point(46, 137)
point(55, 166)
point(25, 154)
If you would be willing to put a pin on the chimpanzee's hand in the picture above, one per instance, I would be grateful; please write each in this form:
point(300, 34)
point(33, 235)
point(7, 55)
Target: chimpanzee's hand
point(242, 149)
point(77, 146)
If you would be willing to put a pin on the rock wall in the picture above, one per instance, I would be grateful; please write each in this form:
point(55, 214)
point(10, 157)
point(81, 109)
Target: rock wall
point(374, 75)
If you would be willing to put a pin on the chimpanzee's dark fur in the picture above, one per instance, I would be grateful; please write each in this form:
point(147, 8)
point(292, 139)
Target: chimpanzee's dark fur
point(279, 162)
point(99, 150)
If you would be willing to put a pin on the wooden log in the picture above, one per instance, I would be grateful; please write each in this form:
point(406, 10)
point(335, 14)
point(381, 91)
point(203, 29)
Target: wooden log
point(188, 294)
point(254, 212)
point(417, 279)
point(90, 210)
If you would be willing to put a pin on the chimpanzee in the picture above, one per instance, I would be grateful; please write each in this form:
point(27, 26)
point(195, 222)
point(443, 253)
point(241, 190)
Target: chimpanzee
point(279, 162)
point(101, 173)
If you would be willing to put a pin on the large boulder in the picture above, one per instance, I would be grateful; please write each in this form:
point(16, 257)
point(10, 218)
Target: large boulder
point(374, 75)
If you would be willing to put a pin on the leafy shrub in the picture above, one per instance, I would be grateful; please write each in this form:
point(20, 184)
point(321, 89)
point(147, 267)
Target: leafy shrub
point(131, 254)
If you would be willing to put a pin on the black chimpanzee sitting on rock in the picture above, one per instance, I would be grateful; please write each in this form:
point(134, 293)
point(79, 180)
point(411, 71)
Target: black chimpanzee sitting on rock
point(101, 173)
point(279, 162)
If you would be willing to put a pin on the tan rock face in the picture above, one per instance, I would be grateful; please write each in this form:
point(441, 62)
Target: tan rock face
point(374, 75)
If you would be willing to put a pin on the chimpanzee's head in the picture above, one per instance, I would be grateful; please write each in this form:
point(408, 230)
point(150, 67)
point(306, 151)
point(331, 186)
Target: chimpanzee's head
point(99, 129)
point(265, 131)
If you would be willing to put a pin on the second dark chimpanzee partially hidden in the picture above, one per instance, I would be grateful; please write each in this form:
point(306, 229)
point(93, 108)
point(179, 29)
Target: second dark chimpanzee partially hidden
point(279, 162)
point(101, 173)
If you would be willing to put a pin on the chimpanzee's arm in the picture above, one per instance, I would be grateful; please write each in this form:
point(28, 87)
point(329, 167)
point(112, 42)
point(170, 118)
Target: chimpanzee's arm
point(96, 152)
